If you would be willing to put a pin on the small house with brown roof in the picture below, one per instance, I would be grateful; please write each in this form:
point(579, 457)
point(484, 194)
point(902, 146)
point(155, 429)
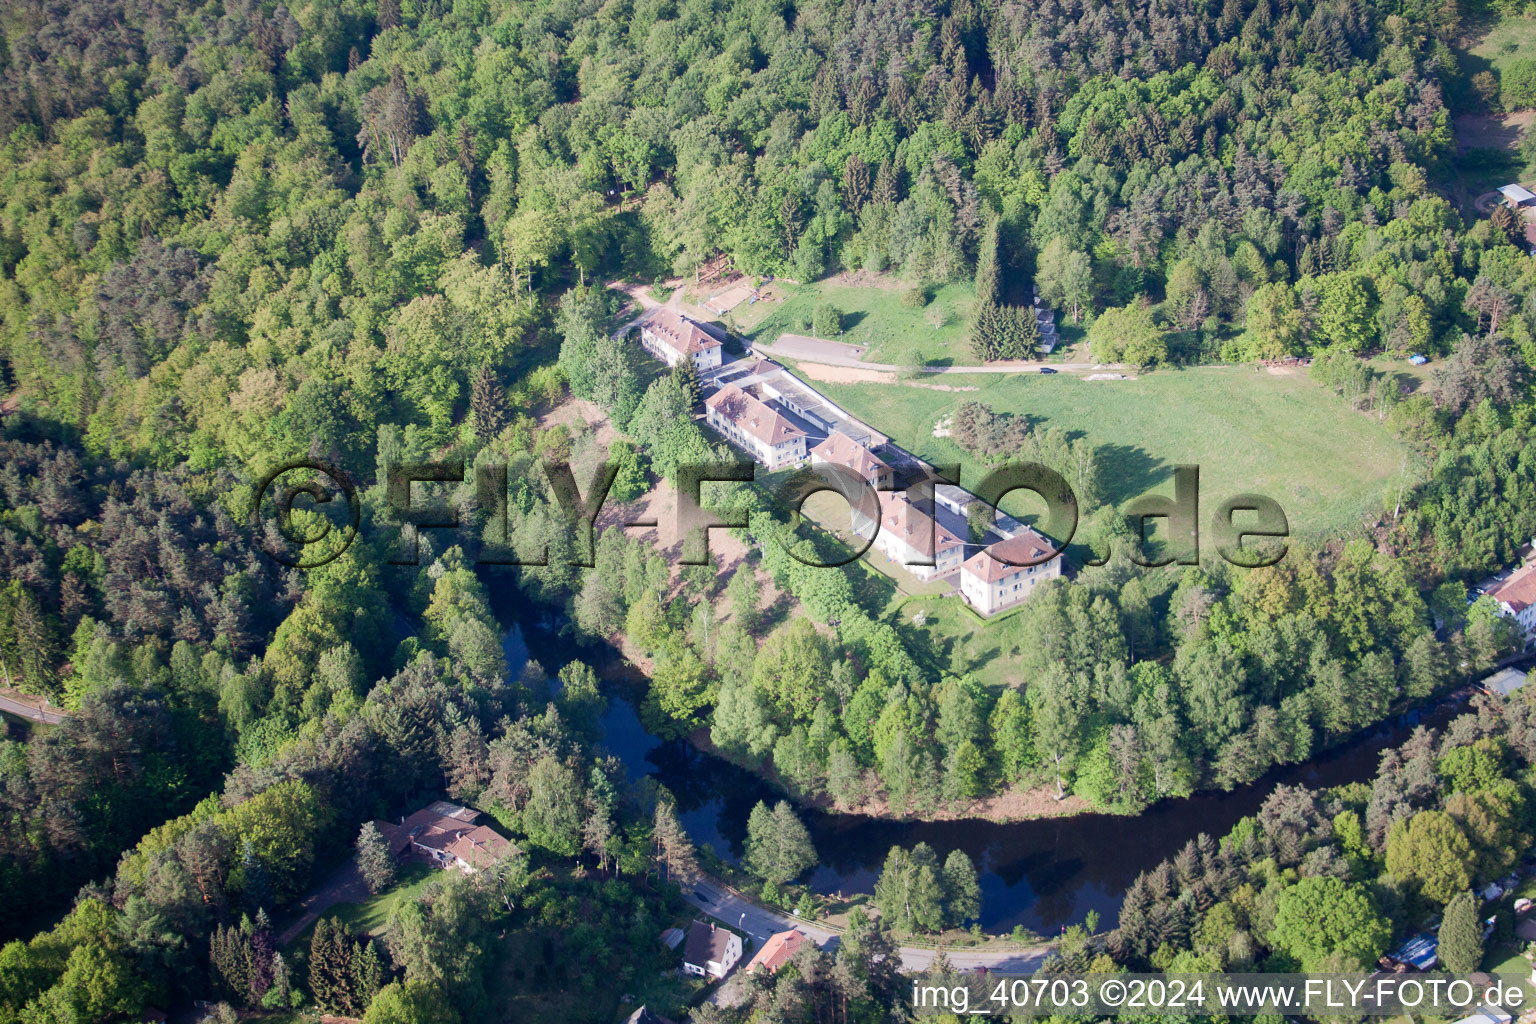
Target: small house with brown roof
point(711, 951)
point(1009, 571)
point(446, 834)
point(672, 337)
point(755, 426)
point(779, 950)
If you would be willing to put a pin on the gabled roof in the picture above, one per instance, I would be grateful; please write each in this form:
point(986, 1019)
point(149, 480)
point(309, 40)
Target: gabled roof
point(706, 943)
point(753, 416)
point(1505, 682)
point(914, 527)
point(842, 450)
point(777, 951)
point(1517, 193)
point(451, 829)
point(679, 333)
point(1518, 590)
point(1027, 547)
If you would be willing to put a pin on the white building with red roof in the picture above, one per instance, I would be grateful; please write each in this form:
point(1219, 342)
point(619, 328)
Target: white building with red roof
point(672, 337)
point(755, 426)
point(990, 583)
point(841, 450)
point(911, 537)
point(1516, 595)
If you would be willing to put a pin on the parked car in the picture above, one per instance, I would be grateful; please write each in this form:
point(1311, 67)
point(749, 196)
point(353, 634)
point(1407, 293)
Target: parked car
point(1046, 369)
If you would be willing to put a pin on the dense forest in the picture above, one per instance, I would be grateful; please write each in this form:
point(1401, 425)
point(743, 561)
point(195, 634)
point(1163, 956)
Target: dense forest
point(234, 233)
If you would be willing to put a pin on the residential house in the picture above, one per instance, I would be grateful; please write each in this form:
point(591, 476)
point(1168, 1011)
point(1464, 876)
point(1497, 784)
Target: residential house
point(755, 426)
point(777, 951)
point(841, 450)
point(711, 951)
point(990, 583)
point(910, 536)
point(446, 835)
point(672, 337)
point(1516, 595)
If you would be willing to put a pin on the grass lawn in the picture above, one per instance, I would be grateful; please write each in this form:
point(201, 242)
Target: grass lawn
point(874, 316)
point(1486, 140)
point(941, 624)
point(1330, 468)
point(373, 914)
point(1507, 963)
point(1506, 40)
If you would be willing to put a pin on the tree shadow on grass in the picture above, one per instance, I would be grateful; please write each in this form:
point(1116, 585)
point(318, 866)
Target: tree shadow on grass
point(1127, 471)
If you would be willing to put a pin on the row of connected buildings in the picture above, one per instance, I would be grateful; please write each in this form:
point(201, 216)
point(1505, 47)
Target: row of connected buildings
point(779, 421)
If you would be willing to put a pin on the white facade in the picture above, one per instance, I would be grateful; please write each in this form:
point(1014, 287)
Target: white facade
point(672, 338)
point(754, 426)
point(711, 953)
point(991, 585)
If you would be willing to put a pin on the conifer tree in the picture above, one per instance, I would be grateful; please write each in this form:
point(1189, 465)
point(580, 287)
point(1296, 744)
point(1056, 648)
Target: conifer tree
point(487, 403)
point(374, 860)
point(674, 850)
point(987, 319)
point(1461, 935)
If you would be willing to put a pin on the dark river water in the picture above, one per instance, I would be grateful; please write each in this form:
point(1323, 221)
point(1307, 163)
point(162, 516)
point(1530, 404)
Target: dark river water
point(1042, 873)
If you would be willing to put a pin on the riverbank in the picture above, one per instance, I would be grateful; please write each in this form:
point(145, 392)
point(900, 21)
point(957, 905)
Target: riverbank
point(1039, 874)
point(1012, 804)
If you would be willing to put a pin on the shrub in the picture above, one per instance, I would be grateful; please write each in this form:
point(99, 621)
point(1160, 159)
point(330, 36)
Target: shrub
point(914, 298)
point(826, 320)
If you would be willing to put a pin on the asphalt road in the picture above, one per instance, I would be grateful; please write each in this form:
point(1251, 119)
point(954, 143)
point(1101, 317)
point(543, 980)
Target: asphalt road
point(24, 710)
point(804, 348)
point(712, 897)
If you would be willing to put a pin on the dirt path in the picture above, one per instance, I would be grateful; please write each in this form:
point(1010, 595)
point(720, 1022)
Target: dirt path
point(345, 885)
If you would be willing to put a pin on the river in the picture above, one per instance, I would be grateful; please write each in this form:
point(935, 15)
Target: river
point(1041, 873)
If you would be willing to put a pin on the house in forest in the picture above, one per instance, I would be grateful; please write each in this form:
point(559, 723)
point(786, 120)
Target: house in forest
point(445, 834)
point(711, 951)
point(1518, 196)
point(1516, 596)
point(1008, 572)
point(672, 337)
point(779, 950)
point(645, 1015)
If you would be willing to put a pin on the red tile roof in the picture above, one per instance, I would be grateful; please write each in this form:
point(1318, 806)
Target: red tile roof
point(1027, 547)
point(777, 951)
point(914, 527)
point(451, 829)
point(680, 334)
point(842, 450)
point(753, 416)
point(1519, 589)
